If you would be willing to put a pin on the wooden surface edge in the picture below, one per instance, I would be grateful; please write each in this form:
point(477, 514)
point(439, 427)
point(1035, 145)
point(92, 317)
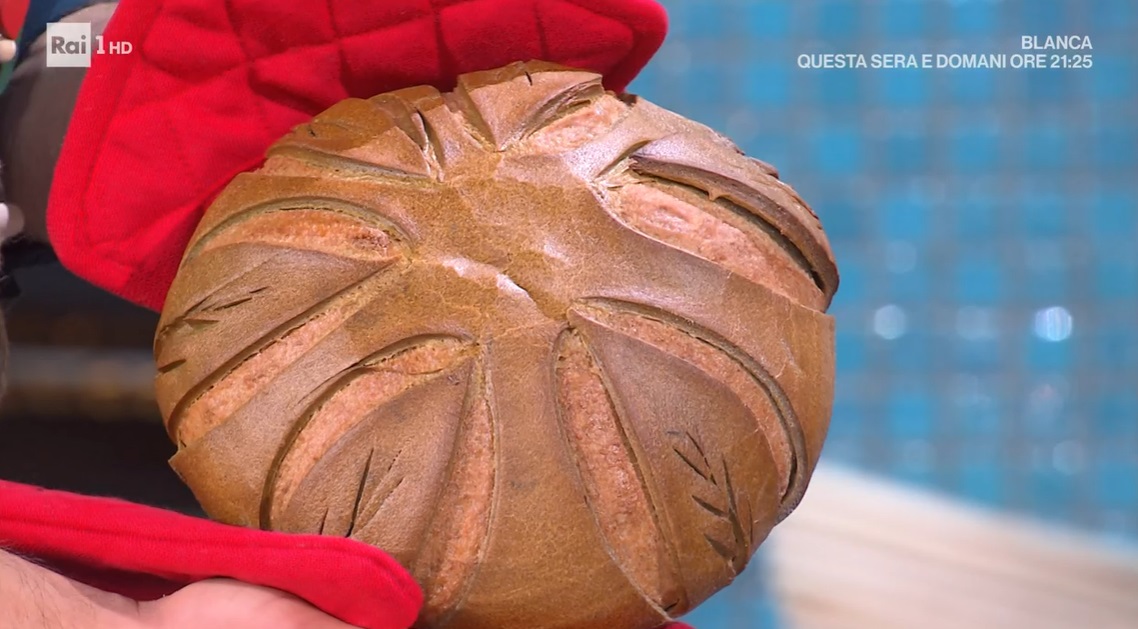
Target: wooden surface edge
point(863, 552)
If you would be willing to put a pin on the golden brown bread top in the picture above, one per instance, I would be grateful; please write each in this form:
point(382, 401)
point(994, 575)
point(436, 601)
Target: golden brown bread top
point(562, 353)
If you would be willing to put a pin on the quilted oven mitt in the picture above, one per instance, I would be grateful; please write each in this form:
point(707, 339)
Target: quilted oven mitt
point(156, 134)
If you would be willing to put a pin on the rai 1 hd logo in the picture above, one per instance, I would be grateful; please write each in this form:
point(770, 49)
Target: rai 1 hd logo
point(70, 45)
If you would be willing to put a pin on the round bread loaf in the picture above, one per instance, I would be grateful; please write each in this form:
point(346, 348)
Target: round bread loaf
point(560, 352)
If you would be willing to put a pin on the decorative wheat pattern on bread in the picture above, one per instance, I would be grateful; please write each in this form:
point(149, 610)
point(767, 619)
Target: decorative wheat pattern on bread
point(562, 353)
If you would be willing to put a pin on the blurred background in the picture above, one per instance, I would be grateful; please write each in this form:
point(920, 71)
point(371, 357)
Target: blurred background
point(985, 224)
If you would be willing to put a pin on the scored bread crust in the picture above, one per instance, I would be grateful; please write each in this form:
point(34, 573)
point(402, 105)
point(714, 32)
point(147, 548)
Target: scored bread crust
point(562, 353)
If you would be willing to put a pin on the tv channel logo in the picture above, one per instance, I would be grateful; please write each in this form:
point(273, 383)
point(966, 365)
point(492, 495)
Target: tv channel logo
point(70, 45)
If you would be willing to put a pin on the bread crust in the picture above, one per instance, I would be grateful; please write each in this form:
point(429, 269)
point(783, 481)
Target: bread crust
point(562, 353)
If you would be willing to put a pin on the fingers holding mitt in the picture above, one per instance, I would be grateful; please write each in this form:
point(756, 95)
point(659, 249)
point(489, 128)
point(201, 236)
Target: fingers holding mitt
point(7, 50)
point(11, 221)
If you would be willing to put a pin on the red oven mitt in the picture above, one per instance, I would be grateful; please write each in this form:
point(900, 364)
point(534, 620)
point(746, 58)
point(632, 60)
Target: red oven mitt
point(145, 553)
point(158, 132)
point(210, 85)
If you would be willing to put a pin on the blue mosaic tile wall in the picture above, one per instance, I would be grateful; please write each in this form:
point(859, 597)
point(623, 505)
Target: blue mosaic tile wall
point(985, 223)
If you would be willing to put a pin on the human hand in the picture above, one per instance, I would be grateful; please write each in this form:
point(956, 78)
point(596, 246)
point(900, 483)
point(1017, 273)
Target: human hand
point(7, 50)
point(145, 554)
point(228, 603)
point(225, 603)
point(11, 219)
point(32, 597)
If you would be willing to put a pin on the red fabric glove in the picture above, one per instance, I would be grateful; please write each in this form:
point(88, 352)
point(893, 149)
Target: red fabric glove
point(209, 86)
point(146, 553)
